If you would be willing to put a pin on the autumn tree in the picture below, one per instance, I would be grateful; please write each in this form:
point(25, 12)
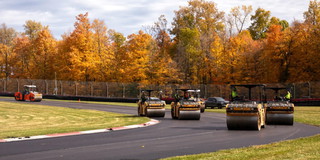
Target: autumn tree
point(194, 27)
point(312, 16)
point(22, 51)
point(80, 61)
point(102, 49)
point(118, 40)
point(238, 17)
point(6, 50)
point(138, 49)
point(44, 61)
point(162, 68)
point(32, 28)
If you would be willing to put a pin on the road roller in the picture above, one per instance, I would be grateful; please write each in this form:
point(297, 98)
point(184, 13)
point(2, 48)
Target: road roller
point(29, 94)
point(246, 110)
point(150, 106)
point(184, 107)
point(279, 110)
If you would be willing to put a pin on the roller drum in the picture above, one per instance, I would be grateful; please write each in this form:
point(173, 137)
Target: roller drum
point(243, 122)
point(156, 112)
point(275, 118)
point(189, 115)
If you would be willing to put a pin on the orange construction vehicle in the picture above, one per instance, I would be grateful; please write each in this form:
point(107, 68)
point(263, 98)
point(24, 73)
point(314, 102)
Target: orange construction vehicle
point(29, 94)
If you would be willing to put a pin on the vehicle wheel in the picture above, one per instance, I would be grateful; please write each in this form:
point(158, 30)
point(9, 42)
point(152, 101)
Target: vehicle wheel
point(18, 97)
point(31, 98)
point(202, 110)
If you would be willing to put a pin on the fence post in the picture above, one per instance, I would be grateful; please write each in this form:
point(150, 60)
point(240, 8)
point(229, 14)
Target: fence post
point(107, 89)
point(61, 88)
point(294, 90)
point(309, 89)
point(76, 88)
point(4, 85)
point(139, 88)
point(205, 91)
point(91, 88)
point(18, 83)
point(46, 85)
point(123, 91)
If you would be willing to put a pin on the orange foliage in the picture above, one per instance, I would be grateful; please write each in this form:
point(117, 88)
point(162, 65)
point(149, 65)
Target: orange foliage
point(196, 52)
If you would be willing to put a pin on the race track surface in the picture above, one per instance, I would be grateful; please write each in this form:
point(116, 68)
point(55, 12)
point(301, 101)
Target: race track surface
point(166, 139)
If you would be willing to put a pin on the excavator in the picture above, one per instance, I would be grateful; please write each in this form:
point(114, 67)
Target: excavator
point(246, 110)
point(29, 94)
point(279, 110)
point(150, 106)
point(183, 107)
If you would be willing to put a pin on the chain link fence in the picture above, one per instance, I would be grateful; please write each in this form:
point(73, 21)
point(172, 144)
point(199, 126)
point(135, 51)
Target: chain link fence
point(132, 90)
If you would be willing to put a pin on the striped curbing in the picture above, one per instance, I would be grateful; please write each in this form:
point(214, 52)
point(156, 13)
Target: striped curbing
point(151, 122)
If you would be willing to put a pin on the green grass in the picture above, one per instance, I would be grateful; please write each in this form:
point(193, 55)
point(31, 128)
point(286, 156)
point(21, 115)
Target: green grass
point(299, 149)
point(22, 120)
point(222, 110)
point(106, 103)
point(307, 115)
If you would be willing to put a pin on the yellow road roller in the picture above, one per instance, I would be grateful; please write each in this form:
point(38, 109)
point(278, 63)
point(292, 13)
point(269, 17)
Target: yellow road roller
point(150, 106)
point(279, 110)
point(246, 110)
point(183, 107)
point(195, 96)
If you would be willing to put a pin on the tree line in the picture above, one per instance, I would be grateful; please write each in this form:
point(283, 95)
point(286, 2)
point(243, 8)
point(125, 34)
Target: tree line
point(203, 45)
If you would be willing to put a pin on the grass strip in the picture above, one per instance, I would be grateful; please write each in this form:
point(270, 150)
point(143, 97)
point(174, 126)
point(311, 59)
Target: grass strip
point(23, 120)
point(302, 148)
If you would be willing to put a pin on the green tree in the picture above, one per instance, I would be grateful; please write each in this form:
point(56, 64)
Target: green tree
point(194, 28)
point(32, 28)
point(312, 16)
point(260, 23)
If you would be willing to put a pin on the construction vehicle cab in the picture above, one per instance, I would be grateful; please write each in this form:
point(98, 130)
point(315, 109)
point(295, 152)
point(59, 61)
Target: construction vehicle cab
point(194, 95)
point(279, 110)
point(184, 107)
point(29, 94)
point(150, 106)
point(246, 110)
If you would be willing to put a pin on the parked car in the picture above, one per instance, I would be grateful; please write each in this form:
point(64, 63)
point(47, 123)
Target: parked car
point(218, 102)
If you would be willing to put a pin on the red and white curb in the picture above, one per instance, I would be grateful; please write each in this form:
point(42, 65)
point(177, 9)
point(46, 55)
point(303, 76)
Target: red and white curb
point(151, 122)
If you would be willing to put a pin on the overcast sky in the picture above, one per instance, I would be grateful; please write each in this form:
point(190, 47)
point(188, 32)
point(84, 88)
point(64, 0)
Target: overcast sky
point(125, 16)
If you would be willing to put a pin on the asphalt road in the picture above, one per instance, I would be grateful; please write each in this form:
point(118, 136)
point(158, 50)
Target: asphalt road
point(166, 139)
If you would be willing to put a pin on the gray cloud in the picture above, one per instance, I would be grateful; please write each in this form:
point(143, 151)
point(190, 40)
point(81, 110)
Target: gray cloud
point(125, 16)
